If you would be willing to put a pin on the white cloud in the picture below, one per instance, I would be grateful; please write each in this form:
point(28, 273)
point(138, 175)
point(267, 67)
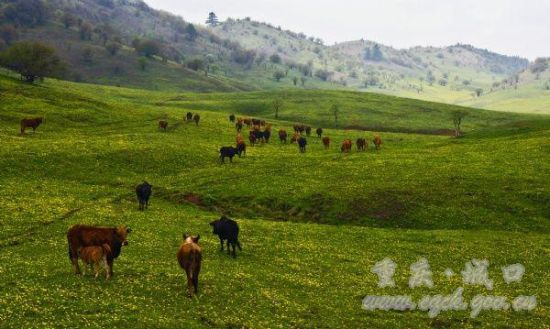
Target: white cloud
point(505, 26)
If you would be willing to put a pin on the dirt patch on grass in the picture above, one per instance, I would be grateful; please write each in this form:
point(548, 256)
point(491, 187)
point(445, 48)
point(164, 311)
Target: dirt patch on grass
point(193, 198)
point(385, 206)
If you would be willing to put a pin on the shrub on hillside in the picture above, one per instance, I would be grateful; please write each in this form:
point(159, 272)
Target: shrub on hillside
point(31, 60)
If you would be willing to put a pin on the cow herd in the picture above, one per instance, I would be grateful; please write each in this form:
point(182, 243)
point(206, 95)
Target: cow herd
point(260, 132)
point(98, 247)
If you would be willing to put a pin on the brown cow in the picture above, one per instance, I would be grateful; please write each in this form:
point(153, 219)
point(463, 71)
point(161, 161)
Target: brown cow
point(295, 137)
point(361, 144)
point(239, 138)
point(197, 118)
point(94, 256)
point(377, 141)
point(80, 236)
point(326, 142)
point(346, 146)
point(30, 123)
point(163, 124)
point(189, 258)
point(299, 128)
point(247, 122)
point(239, 126)
point(189, 116)
point(252, 137)
point(308, 130)
point(282, 135)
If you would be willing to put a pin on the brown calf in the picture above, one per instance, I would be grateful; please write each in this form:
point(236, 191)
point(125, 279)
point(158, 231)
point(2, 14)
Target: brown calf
point(95, 255)
point(80, 236)
point(189, 258)
point(163, 124)
point(196, 118)
point(30, 123)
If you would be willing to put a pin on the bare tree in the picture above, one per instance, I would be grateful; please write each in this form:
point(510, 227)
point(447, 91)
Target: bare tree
point(277, 105)
point(457, 117)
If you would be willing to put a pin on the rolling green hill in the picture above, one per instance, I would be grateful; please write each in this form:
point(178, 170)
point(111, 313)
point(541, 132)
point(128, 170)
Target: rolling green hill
point(246, 55)
point(312, 224)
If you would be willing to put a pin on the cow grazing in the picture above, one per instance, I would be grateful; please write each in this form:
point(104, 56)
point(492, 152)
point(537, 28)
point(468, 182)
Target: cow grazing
point(295, 138)
point(239, 126)
point(257, 122)
point(80, 236)
point(377, 142)
point(282, 135)
point(299, 128)
point(302, 142)
point(232, 118)
point(239, 138)
point(30, 123)
point(319, 132)
point(95, 256)
point(252, 137)
point(326, 142)
point(247, 122)
point(227, 229)
point(163, 124)
point(346, 146)
point(190, 257)
point(267, 135)
point(228, 152)
point(197, 118)
point(308, 131)
point(241, 148)
point(189, 116)
point(143, 192)
point(361, 144)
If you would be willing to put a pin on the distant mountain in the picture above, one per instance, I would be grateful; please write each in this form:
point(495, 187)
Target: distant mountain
point(127, 43)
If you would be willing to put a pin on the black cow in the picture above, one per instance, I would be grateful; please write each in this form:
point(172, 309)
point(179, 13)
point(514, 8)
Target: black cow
point(143, 192)
point(308, 131)
point(189, 116)
point(267, 135)
point(319, 132)
point(228, 151)
point(259, 135)
point(239, 126)
point(302, 142)
point(232, 118)
point(227, 229)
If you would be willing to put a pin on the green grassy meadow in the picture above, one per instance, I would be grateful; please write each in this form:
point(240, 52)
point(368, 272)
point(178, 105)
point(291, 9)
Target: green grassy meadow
point(312, 225)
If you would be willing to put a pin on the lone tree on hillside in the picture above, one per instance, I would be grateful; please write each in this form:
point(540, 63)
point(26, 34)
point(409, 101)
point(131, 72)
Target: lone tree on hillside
point(457, 117)
point(31, 60)
point(277, 105)
point(191, 32)
point(335, 110)
point(212, 19)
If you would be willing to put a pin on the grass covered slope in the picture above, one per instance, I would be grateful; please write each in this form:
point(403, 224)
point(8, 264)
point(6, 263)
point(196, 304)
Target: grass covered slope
point(482, 196)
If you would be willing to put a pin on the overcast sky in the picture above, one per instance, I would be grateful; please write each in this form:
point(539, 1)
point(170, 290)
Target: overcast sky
point(512, 27)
